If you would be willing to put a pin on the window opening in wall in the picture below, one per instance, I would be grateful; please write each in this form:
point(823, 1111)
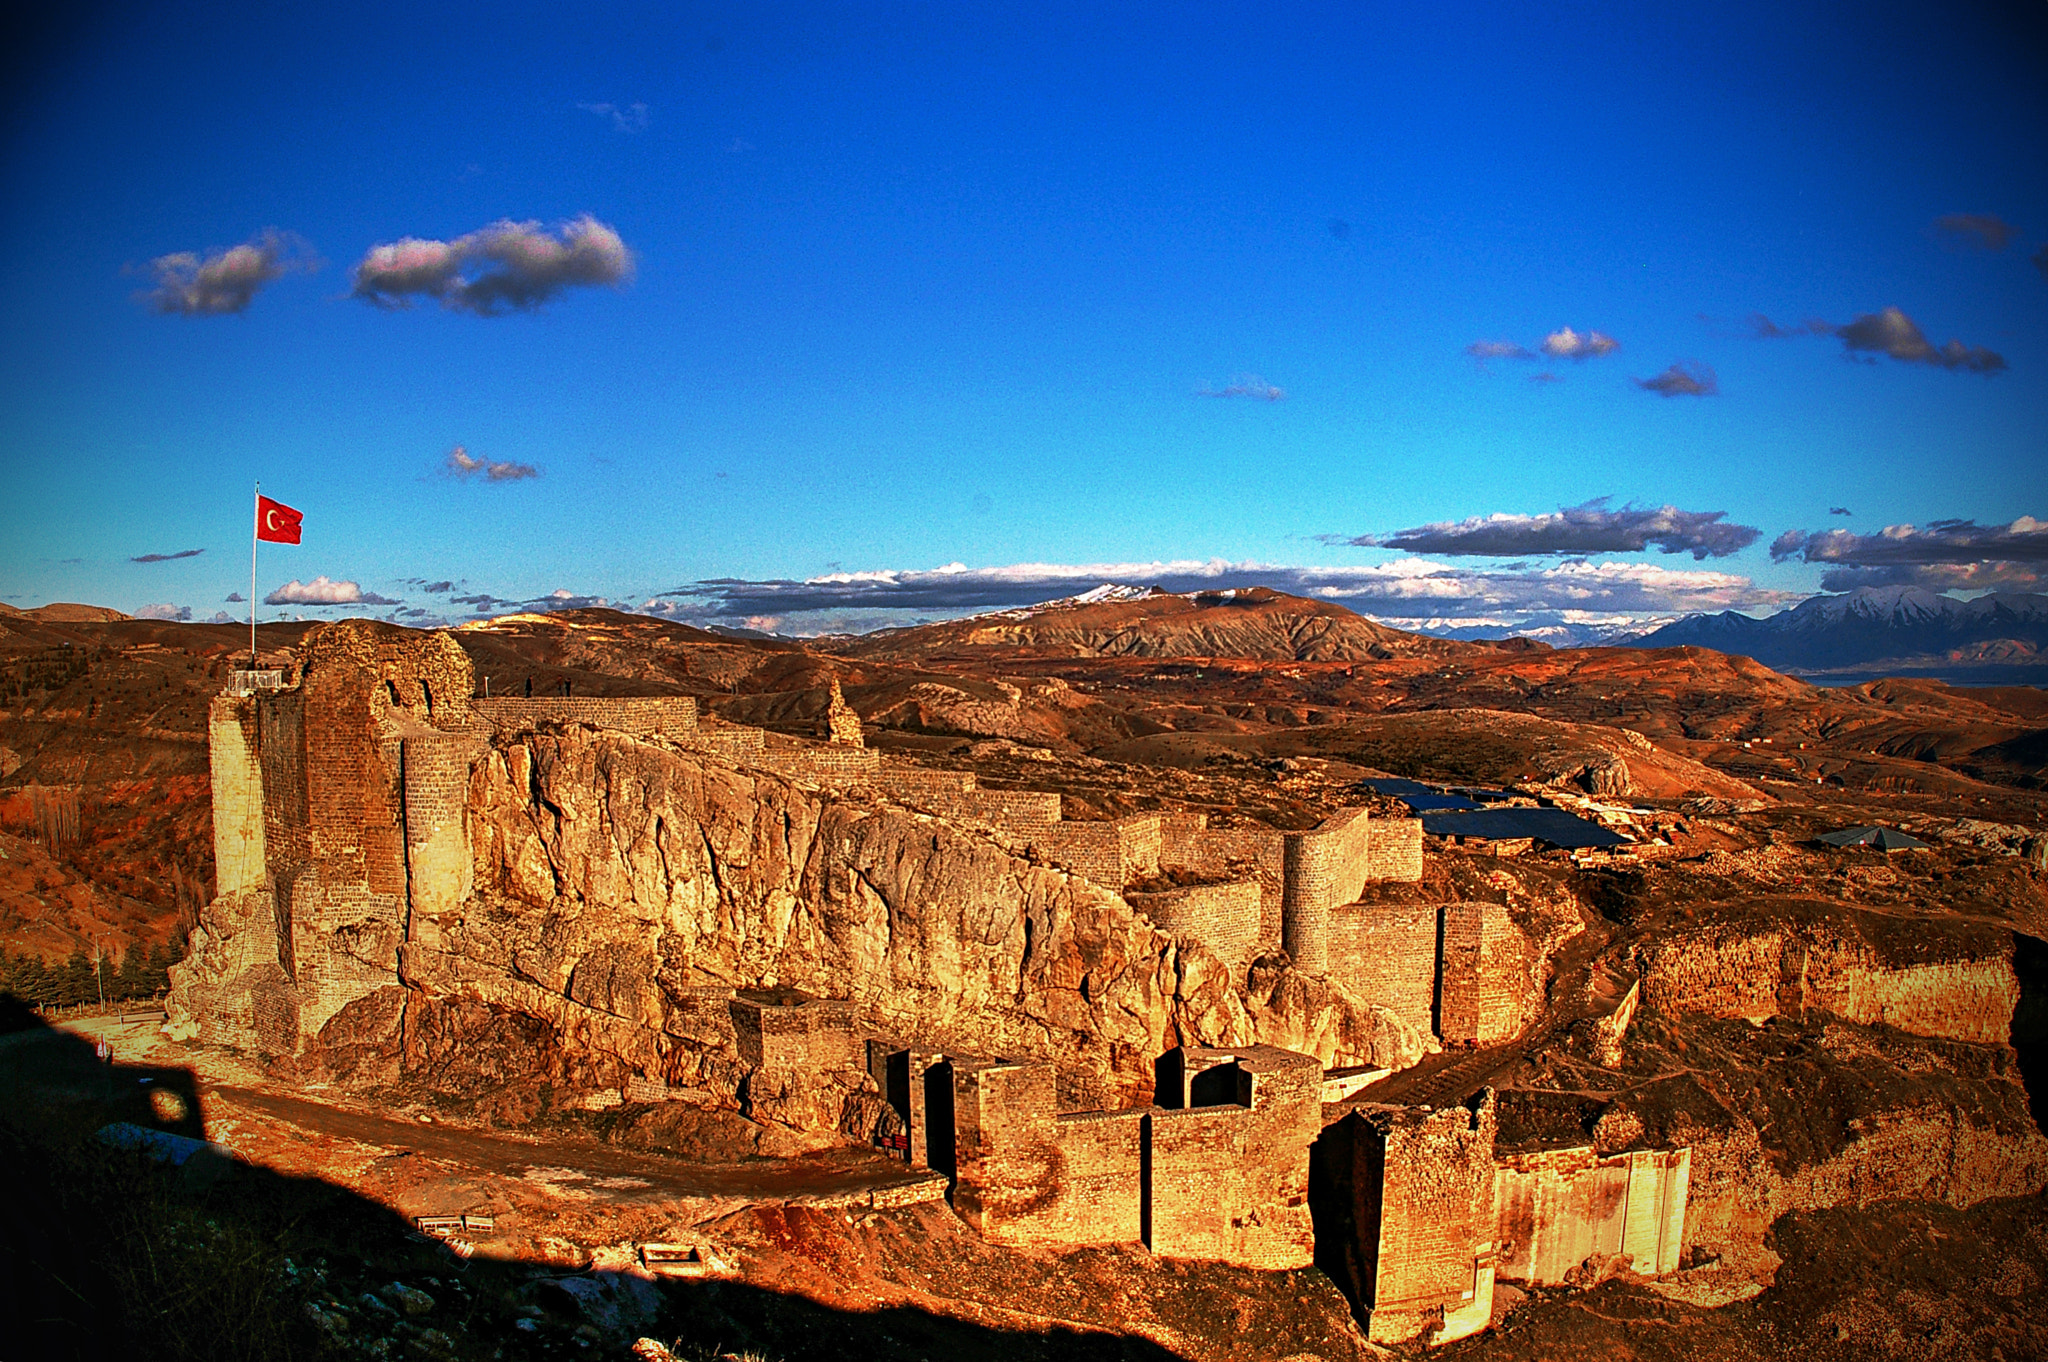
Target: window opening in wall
point(427, 696)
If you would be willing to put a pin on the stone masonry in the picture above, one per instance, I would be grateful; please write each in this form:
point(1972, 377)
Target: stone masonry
point(1223, 1176)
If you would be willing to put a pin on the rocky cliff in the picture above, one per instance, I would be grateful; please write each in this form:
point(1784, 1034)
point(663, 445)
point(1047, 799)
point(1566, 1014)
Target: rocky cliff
point(619, 887)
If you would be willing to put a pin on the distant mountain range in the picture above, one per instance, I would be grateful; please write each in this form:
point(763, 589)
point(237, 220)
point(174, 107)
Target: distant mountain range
point(1882, 631)
point(1117, 620)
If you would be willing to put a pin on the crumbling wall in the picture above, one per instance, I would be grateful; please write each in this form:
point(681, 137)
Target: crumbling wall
point(1418, 1256)
point(661, 715)
point(1945, 979)
point(1562, 1209)
point(337, 854)
point(1224, 917)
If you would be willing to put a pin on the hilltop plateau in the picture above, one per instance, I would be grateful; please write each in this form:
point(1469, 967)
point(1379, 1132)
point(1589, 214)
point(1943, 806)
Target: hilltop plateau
point(1850, 1044)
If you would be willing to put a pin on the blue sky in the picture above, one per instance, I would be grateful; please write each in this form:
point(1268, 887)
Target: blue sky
point(837, 317)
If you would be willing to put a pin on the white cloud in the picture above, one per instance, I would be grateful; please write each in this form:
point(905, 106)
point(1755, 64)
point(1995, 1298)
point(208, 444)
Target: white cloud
point(1406, 588)
point(164, 612)
point(1565, 343)
point(507, 265)
point(462, 464)
point(323, 591)
point(225, 282)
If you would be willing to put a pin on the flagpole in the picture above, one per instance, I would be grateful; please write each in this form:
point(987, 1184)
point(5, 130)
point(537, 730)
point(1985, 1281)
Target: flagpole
point(253, 521)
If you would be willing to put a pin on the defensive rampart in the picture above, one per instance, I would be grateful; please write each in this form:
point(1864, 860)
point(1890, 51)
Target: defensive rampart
point(1222, 1177)
point(319, 895)
point(1459, 970)
point(1325, 869)
point(662, 715)
point(1223, 917)
point(1944, 979)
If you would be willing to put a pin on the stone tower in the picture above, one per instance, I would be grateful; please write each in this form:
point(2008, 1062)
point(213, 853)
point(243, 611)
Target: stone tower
point(842, 725)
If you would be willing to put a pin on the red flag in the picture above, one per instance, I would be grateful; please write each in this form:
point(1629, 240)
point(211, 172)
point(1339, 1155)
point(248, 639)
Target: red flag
point(276, 522)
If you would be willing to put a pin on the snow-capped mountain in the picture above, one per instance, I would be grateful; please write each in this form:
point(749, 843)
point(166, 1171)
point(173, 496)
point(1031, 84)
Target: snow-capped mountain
point(1872, 626)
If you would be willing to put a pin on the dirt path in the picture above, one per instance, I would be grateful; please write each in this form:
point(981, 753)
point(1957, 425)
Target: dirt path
point(832, 1177)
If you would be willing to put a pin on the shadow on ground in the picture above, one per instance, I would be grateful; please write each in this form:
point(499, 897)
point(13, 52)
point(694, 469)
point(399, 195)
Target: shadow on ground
point(158, 1248)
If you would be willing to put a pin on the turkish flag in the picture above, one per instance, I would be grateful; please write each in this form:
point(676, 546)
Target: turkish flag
point(276, 522)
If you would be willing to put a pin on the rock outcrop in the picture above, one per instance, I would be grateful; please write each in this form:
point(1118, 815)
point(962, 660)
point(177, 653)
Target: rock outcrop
point(534, 913)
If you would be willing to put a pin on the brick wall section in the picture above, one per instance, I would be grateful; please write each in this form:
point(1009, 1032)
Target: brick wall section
point(1964, 990)
point(1188, 844)
point(237, 795)
point(281, 747)
point(1386, 954)
point(1005, 1148)
point(774, 1031)
point(1223, 917)
point(1426, 1250)
point(659, 715)
point(1227, 1182)
point(841, 765)
point(1394, 850)
point(1325, 869)
point(955, 795)
point(1559, 1208)
point(438, 863)
point(1460, 973)
point(1110, 853)
point(1090, 849)
point(1195, 1193)
point(735, 743)
point(1272, 1226)
point(1099, 1196)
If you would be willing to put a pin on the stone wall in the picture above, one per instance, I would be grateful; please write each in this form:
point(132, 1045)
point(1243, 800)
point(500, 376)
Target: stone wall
point(1949, 980)
point(237, 795)
point(1420, 1238)
point(1110, 853)
point(435, 768)
point(787, 1030)
point(1189, 844)
point(1394, 850)
point(1225, 1181)
point(1462, 971)
point(1386, 953)
point(1562, 1208)
point(663, 715)
point(956, 795)
point(1325, 869)
point(1224, 917)
point(1486, 991)
point(831, 765)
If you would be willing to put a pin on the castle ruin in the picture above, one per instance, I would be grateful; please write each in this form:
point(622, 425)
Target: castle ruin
point(398, 859)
